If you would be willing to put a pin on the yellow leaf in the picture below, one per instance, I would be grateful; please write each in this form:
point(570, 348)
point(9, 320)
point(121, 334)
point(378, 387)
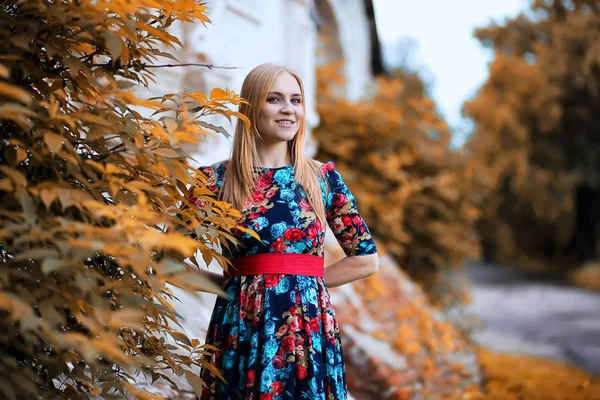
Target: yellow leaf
point(4, 72)
point(99, 167)
point(21, 155)
point(195, 382)
point(166, 152)
point(128, 317)
point(15, 93)
point(194, 282)
point(181, 337)
point(17, 308)
point(6, 185)
point(219, 94)
point(113, 169)
point(48, 196)
point(53, 141)
point(113, 42)
point(15, 175)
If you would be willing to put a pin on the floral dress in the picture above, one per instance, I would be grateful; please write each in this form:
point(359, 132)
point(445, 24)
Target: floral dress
point(276, 334)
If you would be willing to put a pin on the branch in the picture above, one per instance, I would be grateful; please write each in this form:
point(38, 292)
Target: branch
point(209, 66)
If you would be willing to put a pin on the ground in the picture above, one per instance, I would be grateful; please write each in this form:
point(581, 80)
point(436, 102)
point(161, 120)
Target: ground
point(525, 313)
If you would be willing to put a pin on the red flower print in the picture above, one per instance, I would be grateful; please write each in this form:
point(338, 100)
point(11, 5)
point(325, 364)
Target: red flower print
point(262, 209)
point(266, 396)
point(271, 280)
point(338, 200)
point(299, 352)
point(279, 245)
point(327, 167)
point(318, 225)
point(357, 220)
point(258, 197)
point(283, 330)
point(301, 372)
point(236, 232)
point(294, 325)
point(253, 216)
point(288, 343)
point(314, 324)
point(338, 225)
point(305, 205)
point(270, 193)
point(312, 231)
point(346, 220)
point(278, 362)
point(264, 182)
point(329, 322)
point(293, 234)
point(292, 309)
point(250, 379)
point(277, 387)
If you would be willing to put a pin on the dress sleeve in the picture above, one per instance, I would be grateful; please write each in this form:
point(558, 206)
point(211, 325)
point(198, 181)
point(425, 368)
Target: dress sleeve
point(343, 217)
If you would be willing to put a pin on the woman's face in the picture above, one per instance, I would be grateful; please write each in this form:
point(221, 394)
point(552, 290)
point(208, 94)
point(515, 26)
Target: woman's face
point(282, 112)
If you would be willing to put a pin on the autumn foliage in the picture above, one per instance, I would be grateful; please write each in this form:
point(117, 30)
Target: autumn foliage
point(418, 196)
point(510, 376)
point(537, 137)
point(90, 226)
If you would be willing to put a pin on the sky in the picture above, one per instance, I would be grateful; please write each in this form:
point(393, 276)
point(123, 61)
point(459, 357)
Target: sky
point(453, 61)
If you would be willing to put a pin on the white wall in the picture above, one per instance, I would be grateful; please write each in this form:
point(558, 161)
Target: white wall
point(355, 39)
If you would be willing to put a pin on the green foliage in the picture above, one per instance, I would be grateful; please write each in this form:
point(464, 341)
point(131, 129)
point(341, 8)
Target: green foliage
point(418, 196)
point(537, 136)
point(91, 227)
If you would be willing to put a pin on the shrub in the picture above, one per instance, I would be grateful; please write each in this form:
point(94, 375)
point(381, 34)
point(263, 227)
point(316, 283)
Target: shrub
point(90, 226)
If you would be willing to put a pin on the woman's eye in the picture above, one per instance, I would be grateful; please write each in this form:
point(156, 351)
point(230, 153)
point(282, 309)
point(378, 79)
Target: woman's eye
point(272, 99)
point(297, 101)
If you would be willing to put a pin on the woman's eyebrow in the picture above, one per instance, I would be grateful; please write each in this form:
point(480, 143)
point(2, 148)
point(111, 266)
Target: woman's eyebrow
point(281, 94)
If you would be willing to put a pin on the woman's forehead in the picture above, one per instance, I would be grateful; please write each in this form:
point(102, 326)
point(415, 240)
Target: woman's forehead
point(285, 83)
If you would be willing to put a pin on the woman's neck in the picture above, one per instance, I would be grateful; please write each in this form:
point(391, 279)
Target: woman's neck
point(274, 156)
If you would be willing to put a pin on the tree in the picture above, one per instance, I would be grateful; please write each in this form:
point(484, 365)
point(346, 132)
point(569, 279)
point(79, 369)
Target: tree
point(419, 198)
point(91, 226)
point(537, 136)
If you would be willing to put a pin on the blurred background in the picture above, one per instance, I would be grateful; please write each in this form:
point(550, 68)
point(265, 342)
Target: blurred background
point(469, 133)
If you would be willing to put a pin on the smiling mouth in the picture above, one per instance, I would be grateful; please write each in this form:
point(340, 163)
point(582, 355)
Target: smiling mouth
point(285, 122)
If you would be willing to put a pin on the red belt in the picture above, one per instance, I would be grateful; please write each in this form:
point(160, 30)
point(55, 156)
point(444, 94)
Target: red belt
point(278, 263)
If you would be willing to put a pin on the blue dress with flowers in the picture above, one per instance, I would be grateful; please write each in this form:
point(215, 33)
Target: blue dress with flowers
point(276, 334)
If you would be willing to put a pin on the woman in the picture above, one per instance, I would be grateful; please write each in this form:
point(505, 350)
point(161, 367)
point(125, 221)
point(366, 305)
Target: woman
point(276, 333)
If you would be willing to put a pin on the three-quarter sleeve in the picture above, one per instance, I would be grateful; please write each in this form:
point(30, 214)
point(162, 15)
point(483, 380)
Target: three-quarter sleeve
point(343, 217)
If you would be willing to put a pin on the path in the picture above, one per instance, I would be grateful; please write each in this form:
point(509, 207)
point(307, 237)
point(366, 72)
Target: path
point(524, 313)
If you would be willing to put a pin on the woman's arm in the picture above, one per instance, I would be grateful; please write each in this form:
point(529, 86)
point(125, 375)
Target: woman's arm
point(349, 269)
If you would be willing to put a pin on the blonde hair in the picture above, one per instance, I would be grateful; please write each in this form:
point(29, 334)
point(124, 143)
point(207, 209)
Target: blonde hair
point(240, 176)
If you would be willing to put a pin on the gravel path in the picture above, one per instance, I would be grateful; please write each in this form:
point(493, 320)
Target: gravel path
point(525, 313)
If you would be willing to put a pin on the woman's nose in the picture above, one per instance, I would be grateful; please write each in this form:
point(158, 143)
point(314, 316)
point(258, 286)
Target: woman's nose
point(287, 108)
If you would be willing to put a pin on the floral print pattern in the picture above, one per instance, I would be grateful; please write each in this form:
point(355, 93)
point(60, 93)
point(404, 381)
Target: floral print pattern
point(276, 334)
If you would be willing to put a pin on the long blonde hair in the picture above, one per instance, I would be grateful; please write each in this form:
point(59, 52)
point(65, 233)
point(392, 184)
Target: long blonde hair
point(241, 173)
